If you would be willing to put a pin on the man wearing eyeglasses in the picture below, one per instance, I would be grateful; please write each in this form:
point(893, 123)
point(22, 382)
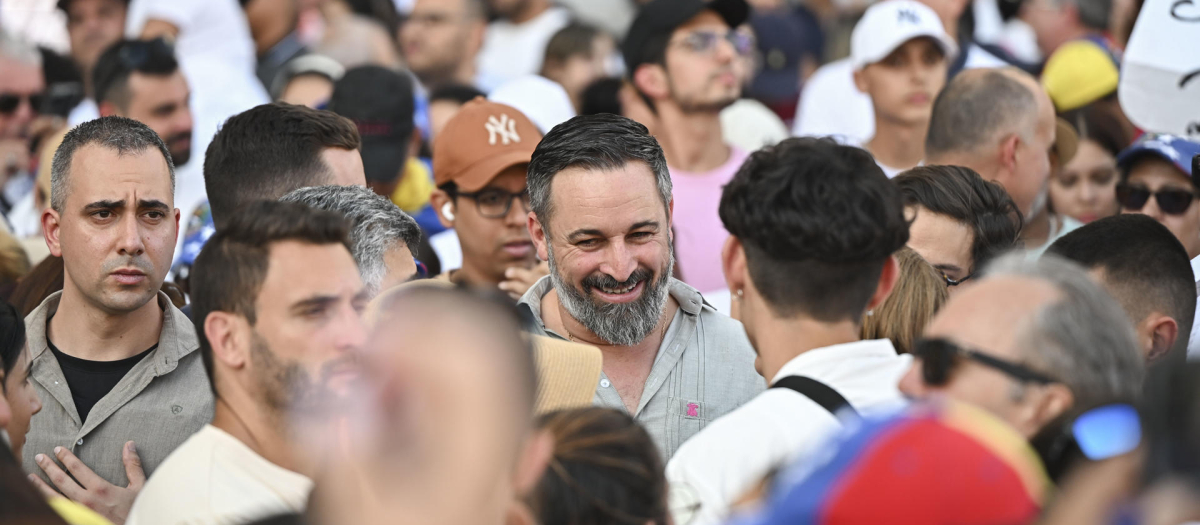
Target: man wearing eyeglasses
point(1158, 179)
point(682, 57)
point(479, 162)
point(1034, 342)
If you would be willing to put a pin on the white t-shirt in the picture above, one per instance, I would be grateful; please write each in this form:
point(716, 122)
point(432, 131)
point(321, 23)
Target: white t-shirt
point(1193, 348)
point(730, 455)
point(449, 251)
point(213, 478)
point(513, 50)
point(832, 105)
point(750, 125)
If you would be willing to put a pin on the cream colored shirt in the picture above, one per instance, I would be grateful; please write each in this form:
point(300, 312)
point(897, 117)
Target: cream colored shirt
point(213, 478)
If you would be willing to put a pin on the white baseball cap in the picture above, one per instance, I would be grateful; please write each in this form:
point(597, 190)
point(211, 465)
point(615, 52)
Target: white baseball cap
point(887, 25)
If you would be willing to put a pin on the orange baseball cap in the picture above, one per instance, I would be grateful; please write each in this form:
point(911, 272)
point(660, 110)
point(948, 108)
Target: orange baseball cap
point(481, 140)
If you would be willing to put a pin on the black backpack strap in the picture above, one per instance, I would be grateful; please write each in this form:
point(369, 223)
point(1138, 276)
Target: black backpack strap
point(821, 393)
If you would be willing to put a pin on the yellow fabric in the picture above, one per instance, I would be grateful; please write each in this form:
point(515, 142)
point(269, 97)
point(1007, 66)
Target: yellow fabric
point(76, 514)
point(415, 187)
point(1079, 73)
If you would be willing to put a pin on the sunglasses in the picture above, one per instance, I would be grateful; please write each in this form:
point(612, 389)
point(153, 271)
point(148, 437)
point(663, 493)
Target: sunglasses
point(706, 41)
point(1170, 201)
point(940, 357)
point(9, 102)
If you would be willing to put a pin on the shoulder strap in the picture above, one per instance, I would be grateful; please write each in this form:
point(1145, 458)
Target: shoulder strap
point(821, 393)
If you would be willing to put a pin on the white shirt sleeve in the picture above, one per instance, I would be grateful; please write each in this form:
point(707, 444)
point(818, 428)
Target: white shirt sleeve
point(178, 12)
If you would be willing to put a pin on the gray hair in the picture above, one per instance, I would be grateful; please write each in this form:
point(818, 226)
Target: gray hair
point(975, 108)
point(602, 142)
point(376, 225)
point(125, 136)
point(1085, 339)
point(19, 50)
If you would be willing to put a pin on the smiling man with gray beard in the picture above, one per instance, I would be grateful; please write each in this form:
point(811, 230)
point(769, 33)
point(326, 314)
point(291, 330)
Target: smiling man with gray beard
point(601, 206)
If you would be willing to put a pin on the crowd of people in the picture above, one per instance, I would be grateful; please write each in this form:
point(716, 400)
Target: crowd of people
point(591, 262)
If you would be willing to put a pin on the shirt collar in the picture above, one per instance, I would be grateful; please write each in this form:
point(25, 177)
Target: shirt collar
point(820, 362)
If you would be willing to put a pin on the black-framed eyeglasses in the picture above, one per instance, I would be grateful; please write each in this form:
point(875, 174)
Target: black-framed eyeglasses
point(950, 281)
point(706, 41)
point(1172, 201)
point(9, 102)
point(495, 204)
point(939, 357)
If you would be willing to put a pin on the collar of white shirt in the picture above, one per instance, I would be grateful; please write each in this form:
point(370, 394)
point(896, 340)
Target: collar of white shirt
point(830, 363)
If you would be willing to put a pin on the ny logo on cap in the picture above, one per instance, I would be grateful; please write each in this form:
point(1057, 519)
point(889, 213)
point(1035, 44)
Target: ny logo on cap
point(505, 127)
point(907, 15)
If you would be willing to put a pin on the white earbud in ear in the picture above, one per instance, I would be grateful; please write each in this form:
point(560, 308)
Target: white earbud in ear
point(447, 212)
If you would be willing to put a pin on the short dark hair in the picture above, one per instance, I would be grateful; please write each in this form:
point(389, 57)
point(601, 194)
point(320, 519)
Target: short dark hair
point(110, 77)
point(973, 108)
point(1145, 267)
point(269, 150)
point(229, 272)
point(123, 135)
point(605, 469)
point(961, 194)
point(1099, 124)
point(459, 93)
point(596, 142)
point(574, 39)
point(12, 340)
point(602, 96)
point(818, 220)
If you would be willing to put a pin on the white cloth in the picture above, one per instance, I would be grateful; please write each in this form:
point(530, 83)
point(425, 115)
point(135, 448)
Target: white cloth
point(750, 125)
point(213, 478)
point(1069, 225)
point(512, 50)
point(84, 111)
point(544, 101)
point(1193, 348)
point(779, 426)
point(832, 105)
point(449, 251)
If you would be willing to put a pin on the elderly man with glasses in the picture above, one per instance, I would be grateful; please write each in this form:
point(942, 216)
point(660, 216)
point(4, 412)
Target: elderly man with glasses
point(1035, 342)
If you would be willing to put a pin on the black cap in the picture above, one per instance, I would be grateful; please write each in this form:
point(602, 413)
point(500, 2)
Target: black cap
point(380, 102)
point(662, 17)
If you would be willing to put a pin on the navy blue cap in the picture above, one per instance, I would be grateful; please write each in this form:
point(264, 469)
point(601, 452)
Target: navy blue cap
point(1178, 150)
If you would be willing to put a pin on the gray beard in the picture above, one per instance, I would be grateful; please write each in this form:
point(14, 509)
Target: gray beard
point(624, 324)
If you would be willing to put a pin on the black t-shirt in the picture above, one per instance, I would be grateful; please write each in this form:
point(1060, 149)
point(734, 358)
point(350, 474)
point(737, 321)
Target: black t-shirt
point(90, 381)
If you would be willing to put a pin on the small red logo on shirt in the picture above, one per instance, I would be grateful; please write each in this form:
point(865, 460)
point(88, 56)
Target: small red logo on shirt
point(693, 410)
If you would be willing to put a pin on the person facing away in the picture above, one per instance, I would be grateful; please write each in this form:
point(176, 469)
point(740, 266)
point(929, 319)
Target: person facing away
point(277, 302)
point(813, 228)
point(1035, 342)
point(958, 221)
point(383, 239)
point(900, 54)
point(1145, 268)
point(1001, 123)
point(113, 360)
point(601, 199)
point(683, 58)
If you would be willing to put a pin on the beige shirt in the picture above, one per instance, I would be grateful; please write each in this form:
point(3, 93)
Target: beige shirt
point(214, 478)
point(162, 401)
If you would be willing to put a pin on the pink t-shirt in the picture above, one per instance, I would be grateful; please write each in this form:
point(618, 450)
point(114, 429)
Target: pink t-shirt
point(699, 234)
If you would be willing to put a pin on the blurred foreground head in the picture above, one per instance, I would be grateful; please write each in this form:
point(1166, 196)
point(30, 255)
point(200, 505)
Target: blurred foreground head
point(443, 432)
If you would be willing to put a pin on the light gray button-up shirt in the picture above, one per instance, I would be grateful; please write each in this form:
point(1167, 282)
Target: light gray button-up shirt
point(162, 401)
point(704, 368)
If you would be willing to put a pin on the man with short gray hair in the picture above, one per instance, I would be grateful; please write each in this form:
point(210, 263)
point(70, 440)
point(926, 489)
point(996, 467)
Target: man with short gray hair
point(1034, 342)
point(383, 238)
point(601, 200)
point(113, 360)
point(21, 86)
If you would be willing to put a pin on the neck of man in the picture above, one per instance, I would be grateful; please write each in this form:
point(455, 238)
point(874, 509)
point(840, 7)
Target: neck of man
point(266, 433)
point(475, 273)
point(1038, 228)
point(461, 73)
point(778, 341)
point(84, 330)
point(898, 145)
point(529, 11)
point(691, 141)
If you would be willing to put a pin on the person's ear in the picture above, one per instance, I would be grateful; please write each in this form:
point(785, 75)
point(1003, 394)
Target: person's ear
point(651, 79)
point(887, 281)
point(1054, 401)
point(733, 264)
point(475, 37)
point(541, 240)
point(229, 337)
point(1163, 331)
point(535, 455)
point(860, 81)
point(177, 232)
point(1008, 152)
point(50, 230)
point(444, 206)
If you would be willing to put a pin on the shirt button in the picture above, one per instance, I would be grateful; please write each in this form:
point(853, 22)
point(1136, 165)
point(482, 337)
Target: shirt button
point(604, 383)
point(79, 443)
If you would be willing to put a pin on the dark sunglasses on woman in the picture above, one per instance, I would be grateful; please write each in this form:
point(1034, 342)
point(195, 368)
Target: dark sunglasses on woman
point(1172, 201)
